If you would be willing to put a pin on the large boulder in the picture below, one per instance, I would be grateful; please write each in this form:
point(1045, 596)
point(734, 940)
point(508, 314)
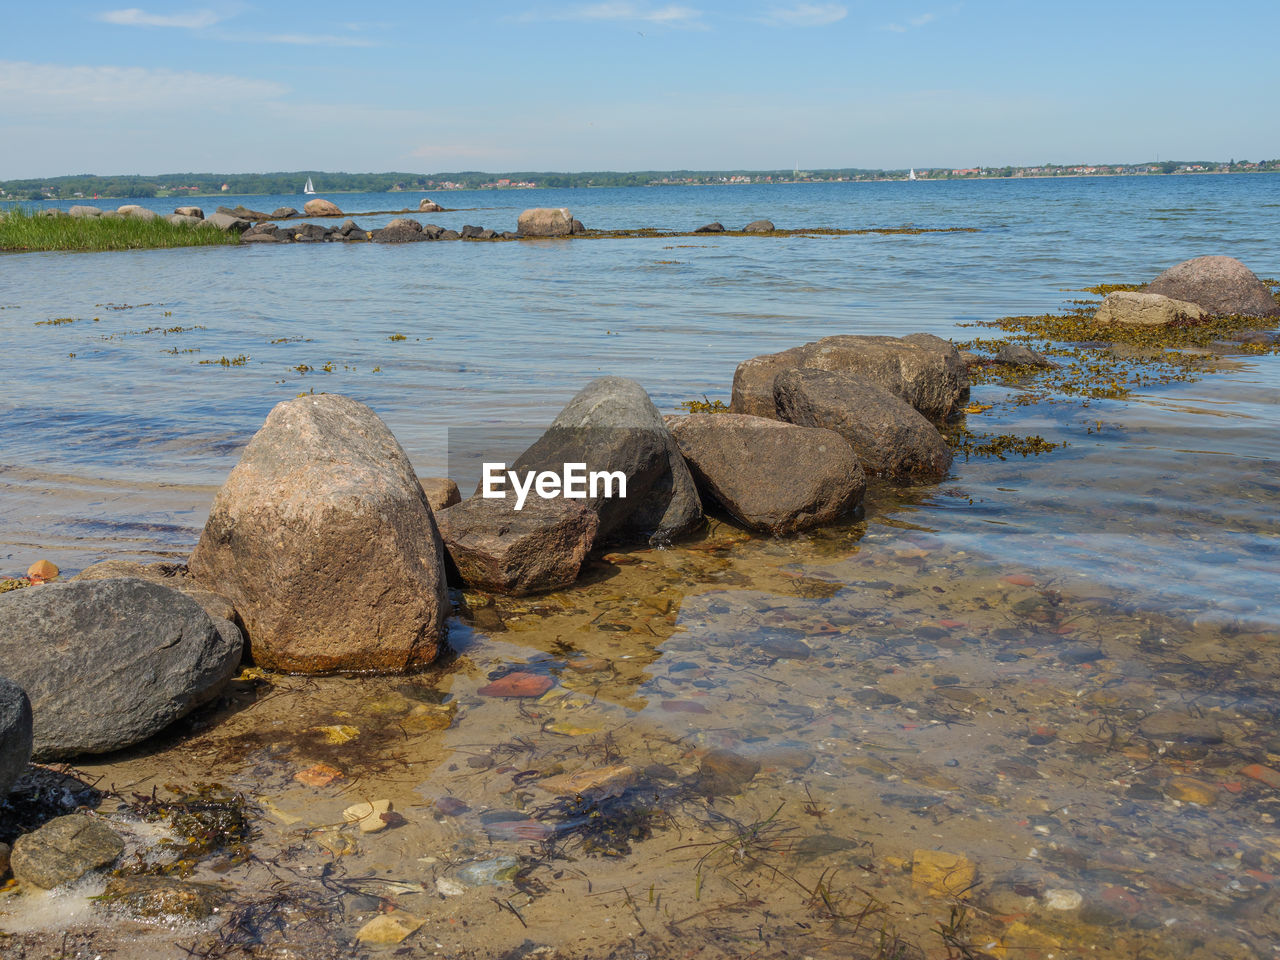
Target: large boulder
point(284, 213)
point(1221, 285)
point(178, 220)
point(427, 205)
point(1130, 308)
point(134, 212)
point(545, 222)
point(15, 734)
point(323, 541)
point(503, 550)
point(172, 575)
point(612, 425)
point(772, 476)
point(924, 370)
point(759, 226)
point(108, 663)
point(196, 212)
point(890, 438)
point(227, 222)
point(400, 230)
point(321, 208)
point(83, 210)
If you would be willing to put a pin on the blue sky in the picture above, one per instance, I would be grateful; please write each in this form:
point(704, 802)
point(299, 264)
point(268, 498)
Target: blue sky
point(622, 85)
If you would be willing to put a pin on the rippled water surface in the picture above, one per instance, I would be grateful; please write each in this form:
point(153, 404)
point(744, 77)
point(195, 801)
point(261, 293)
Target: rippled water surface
point(1061, 668)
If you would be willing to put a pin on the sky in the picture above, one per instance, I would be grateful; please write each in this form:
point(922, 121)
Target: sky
point(426, 87)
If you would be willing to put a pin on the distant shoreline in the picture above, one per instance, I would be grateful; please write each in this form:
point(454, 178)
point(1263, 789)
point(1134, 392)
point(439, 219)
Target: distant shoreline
point(178, 197)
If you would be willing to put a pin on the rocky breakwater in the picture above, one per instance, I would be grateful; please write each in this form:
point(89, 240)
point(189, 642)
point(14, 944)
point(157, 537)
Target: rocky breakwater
point(108, 663)
point(323, 541)
point(611, 426)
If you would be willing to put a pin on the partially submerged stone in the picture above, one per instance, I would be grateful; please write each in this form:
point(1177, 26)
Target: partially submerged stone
point(322, 539)
point(108, 663)
point(389, 928)
point(595, 782)
point(1221, 285)
point(1020, 355)
point(427, 205)
point(545, 222)
point(370, 816)
point(149, 896)
point(759, 226)
point(64, 849)
point(775, 477)
point(924, 370)
point(321, 208)
point(226, 222)
point(503, 550)
point(1134, 309)
point(890, 438)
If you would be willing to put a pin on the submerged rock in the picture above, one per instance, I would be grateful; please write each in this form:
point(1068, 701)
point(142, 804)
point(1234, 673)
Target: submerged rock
point(149, 896)
point(612, 425)
point(1221, 285)
point(943, 874)
point(1020, 355)
point(15, 735)
point(500, 549)
point(924, 370)
point(714, 227)
point(772, 476)
point(890, 438)
point(1130, 308)
point(322, 539)
point(108, 663)
point(64, 849)
point(545, 222)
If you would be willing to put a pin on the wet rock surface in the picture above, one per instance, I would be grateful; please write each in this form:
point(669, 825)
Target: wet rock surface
point(771, 476)
point(108, 663)
point(64, 849)
point(1146, 309)
point(921, 369)
point(890, 438)
point(323, 541)
point(1220, 285)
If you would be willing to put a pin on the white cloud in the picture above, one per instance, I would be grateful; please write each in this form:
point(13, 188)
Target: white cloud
point(133, 17)
point(912, 22)
point(310, 40)
point(670, 15)
point(45, 88)
point(807, 14)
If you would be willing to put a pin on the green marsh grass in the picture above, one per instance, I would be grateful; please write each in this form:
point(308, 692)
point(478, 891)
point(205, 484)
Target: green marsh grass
point(23, 230)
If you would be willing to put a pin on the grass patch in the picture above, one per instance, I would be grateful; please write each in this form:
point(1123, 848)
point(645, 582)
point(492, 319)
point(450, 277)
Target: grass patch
point(22, 230)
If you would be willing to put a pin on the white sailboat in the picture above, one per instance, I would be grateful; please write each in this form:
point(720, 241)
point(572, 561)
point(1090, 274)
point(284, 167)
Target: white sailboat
point(309, 188)
point(910, 176)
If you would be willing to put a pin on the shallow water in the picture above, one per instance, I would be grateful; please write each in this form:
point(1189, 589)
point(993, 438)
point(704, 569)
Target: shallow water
point(1058, 667)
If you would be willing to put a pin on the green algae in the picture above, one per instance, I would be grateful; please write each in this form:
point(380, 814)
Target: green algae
point(704, 405)
point(205, 821)
point(239, 360)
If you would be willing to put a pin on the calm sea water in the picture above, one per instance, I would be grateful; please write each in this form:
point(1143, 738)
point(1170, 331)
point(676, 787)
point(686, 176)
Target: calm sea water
point(114, 432)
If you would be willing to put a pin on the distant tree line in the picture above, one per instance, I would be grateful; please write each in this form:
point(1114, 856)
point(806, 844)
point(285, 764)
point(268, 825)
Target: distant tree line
point(178, 185)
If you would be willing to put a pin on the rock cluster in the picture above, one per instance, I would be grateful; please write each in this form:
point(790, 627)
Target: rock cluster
point(1190, 292)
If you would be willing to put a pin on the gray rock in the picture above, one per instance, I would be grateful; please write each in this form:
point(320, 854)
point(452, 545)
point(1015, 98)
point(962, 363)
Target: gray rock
point(64, 849)
point(432, 231)
point(80, 210)
point(449, 235)
point(576, 228)
point(307, 232)
point(611, 424)
point(426, 205)
point(759, 226)
point(178, 220)
point(400, 230)
point(284, 213)
point(135, 212)
point(724, 773)
point(172, 575)
point(15, 735)
point(1020, 355)
point(470, 232)
point(108, 663)
point(890, 438)
point(772, 476)
point(225, 221)
point(244, 213)
point(348, 227)
point(265, 238)
point(1221, 285)
point(196, 212)
point(503, 550)
point(258, 229)
point(165, 897)
point(1130, 308)
point(440, 492)
point(714, 227)
point(5, 851)
point(323, 541)
point(924, 370)
point(545, 222)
